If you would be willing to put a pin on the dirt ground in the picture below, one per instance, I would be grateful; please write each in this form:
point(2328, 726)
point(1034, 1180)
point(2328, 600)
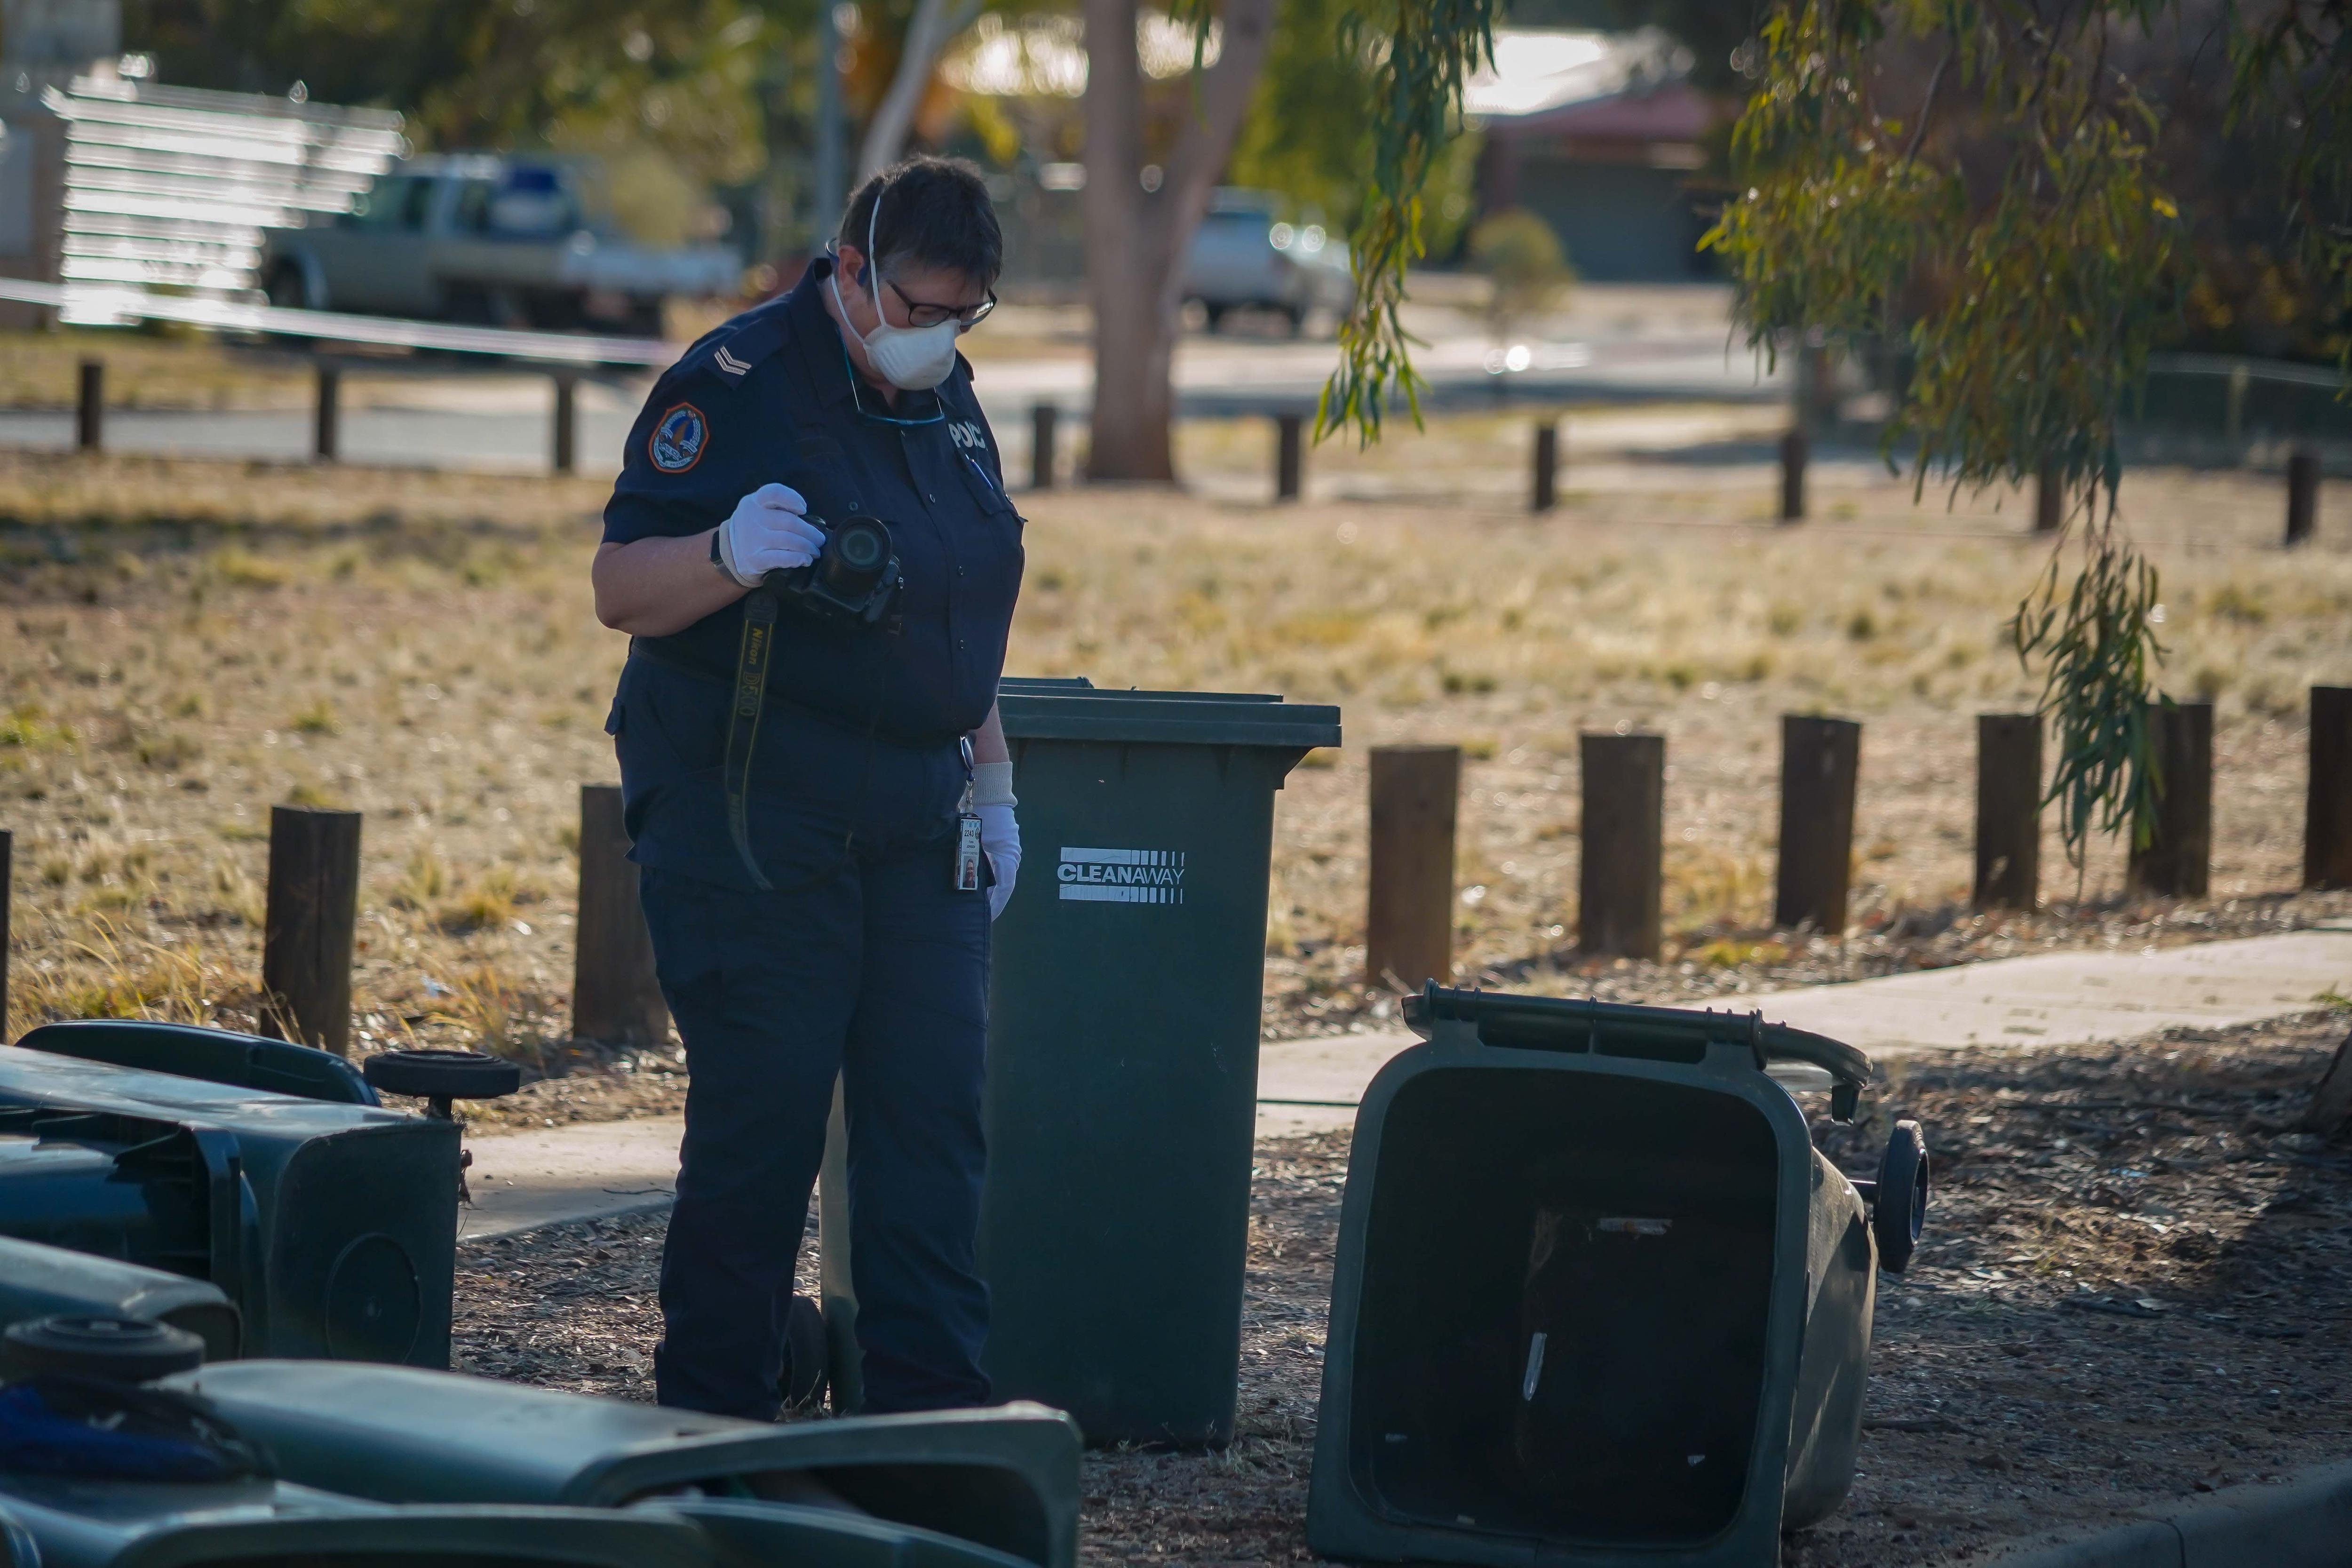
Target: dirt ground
point(2134, 1289)
point(184, 644)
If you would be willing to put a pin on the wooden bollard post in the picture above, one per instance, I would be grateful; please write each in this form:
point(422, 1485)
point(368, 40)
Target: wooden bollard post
point(89, 408)
point(1041, 420)
point(615, 996)
point(328, 427)
point(1408, 932)
point(1821, 759)
point(305, 944)
point(1289, 455)
point(2008, 811)
point(2178, 859)
point(7, 841)
point(2049, 499)
point(567, 421)
point(2327, 812)
point(1618, 902)
point(1794, 450)
point(1547, 474)
point(2301, 494)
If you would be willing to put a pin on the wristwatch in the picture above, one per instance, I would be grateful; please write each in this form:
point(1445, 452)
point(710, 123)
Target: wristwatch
point(718, 561)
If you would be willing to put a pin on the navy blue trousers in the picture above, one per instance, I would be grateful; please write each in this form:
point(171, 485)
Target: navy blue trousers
point(879, 972)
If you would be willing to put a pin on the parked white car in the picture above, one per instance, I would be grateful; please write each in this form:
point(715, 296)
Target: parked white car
point(1245, 257)
point(505, 241)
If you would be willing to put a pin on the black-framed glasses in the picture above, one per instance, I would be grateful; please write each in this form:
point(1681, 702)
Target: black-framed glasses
point(921, 314)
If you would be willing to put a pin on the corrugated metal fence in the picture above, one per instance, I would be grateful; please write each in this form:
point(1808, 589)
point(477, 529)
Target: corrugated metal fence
point(169, 189)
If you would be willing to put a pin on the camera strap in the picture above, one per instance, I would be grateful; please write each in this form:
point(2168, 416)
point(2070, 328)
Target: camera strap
point(743, 723)
point(749, 696)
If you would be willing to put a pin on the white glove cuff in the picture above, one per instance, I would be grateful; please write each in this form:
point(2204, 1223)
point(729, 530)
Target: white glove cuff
point(727, 556)
point(992, 784)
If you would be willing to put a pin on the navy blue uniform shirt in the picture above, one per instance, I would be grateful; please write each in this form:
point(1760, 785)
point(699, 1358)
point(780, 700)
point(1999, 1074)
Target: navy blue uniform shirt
point(771, 397)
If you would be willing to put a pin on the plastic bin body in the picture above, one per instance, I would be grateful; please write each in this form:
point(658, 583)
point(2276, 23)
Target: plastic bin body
point(1005, 1479)
point(765, 1534)
point(333, 1227)
point(1126, 979)
point(1598, 1307)
point(1126, 983)
point(37, 1282)
point(240, 1524)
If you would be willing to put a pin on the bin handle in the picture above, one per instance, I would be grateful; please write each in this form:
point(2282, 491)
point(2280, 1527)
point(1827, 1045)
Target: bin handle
point(1568, 1024)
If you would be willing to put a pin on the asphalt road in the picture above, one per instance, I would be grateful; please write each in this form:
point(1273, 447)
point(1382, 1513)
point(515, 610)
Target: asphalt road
point(500, 420)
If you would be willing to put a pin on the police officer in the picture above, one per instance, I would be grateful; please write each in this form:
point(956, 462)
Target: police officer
point(823, 839)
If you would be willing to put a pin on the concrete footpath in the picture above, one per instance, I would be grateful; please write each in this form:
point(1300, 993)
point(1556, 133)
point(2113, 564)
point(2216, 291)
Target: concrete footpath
point(2048, 999)
point(524, 1180)
point(2303, 1522)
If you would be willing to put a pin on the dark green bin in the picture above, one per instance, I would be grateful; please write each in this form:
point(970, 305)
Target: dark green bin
point(1127, 977)
point(270, 1524)
point(1598, 1300)
point(332, 1226)
point(37, 1282)
point(986, 1488)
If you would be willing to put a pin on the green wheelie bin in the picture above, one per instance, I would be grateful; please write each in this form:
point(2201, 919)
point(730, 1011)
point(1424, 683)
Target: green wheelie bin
point(333, 1227)
point(996, 1487)
point(37, 1282)
point(1597, 1298)
point(1126, 980)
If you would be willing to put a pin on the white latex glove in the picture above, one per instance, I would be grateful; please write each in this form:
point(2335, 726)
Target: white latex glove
point(1000, 836)
point(769, 530)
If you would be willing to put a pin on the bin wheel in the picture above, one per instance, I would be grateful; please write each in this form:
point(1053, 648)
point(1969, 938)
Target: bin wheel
point(805, 1354)
point(119, 1350)
point(442, 1074)
point(1899, 1212)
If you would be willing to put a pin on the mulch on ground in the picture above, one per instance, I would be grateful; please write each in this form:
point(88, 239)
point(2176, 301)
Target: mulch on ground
point(2134, 1291)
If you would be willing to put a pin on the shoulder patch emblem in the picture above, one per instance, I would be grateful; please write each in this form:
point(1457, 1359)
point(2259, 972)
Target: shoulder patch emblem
point(679, 438)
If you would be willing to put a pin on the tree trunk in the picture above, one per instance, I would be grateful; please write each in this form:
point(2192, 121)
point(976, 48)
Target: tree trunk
point(929, 30)
point(1136, 242)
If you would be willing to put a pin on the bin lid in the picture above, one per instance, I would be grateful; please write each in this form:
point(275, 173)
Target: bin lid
point(1074, 709)
point(38, 1079)
point(1570, 1024)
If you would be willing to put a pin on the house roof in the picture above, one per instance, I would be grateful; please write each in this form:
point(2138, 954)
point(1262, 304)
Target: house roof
point(1554, 82)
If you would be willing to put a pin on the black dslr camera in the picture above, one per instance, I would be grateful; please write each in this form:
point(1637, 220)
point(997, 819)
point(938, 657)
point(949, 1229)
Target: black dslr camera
point(853, 579)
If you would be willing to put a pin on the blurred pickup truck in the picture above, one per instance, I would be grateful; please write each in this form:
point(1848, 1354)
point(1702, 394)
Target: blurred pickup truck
point(491, 240)
point(1243, 259)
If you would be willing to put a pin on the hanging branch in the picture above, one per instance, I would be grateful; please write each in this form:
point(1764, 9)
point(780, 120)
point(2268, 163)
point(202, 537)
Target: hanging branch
point(1425, 52)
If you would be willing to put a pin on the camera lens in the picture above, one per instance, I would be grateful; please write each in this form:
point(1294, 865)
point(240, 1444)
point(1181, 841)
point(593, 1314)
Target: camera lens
point(864, 545)
point(856, 555)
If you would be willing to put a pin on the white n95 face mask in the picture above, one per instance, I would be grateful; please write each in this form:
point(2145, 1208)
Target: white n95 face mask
point(913, 359)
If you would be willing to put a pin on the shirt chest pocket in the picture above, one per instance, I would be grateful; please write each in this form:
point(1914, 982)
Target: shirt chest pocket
point(978, 468)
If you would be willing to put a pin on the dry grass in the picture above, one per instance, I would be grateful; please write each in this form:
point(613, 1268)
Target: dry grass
point(183, 644)
point(162, 368)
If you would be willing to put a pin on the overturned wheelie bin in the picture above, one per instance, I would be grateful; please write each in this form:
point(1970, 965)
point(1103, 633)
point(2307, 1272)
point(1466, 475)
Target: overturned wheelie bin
point(1598, 1298)
point(333, 1227)
point(106, 1465)
point(992, 1486)
point(100, 1469)
point(37, 1282)
point(266, 1168)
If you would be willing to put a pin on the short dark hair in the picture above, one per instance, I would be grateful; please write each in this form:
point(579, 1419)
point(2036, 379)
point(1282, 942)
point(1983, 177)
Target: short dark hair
point(935, 213)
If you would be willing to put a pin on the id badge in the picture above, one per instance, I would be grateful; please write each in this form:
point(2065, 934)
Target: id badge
point(967, 865)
